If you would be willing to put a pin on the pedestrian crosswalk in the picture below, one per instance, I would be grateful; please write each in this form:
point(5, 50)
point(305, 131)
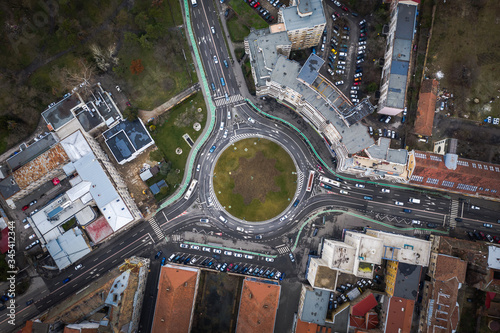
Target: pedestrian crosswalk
point(176, 238)
point(300, 180)
point(156, 228)
point(231, 99)
point(282, 249)
point(454, 213)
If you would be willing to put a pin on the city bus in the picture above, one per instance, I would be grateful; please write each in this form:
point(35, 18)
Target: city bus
point(194, 3)
point(310, 181)
point(190, 189)
point(329, 181)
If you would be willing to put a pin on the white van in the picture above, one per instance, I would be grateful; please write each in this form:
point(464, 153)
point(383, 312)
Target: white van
point(415, 201)
point(223, 219)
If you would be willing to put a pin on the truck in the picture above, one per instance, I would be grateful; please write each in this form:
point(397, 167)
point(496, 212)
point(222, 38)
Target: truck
point(415, 201)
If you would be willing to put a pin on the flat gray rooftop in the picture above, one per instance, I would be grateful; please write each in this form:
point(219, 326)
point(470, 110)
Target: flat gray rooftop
point(60, 114)
point(32, 151)
point(405, 25)
point(310, 70)
point(293, 21)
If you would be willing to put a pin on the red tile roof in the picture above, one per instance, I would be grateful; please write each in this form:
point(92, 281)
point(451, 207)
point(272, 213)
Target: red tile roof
point(305, 327)
point(175, 300)
point(448, 267)
point(426, 107)
point(365, 305)
point(469, 177)
point(258, 306)
point(99, 230)
point(399, 315)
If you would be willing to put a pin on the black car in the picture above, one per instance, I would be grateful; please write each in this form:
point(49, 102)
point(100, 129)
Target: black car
point(431, 225)
point(158, 254)
point(342, 58)
point(362, 39)
point(29, 302)
point(361, 56)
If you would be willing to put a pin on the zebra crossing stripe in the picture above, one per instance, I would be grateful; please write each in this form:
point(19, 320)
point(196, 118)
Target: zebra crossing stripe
point(156, 228)
point(232, 99)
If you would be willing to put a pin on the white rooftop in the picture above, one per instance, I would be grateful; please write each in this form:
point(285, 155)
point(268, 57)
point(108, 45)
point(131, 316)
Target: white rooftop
point(494, 257)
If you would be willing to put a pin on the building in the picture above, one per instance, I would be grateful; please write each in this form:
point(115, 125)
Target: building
point(259, 302)
point(445, 146)
point(127, 139)
point(424, 122)
point(304, 22)
point(177, 288)
point(112, 303)
point(68, 248)
point(453, 174)
point(440, 308)
point(362, 316)
point(397, 57)
point(402, 280)
point(320, 103)
point(398, 315)
point(313, 305)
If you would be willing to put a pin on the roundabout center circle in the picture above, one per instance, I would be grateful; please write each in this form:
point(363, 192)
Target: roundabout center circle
point(255, 179)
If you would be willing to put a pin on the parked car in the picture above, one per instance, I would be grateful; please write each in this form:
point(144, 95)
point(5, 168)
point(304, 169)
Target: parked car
point(339, 83)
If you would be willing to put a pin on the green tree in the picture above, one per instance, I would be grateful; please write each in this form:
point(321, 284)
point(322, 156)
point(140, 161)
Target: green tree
point(131, 113)
point(372, 87)
point(173, 178)
point(156, 155)
point(165, 168)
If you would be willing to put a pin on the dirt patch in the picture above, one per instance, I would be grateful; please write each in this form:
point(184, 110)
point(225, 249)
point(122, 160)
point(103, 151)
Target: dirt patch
point(251, 182)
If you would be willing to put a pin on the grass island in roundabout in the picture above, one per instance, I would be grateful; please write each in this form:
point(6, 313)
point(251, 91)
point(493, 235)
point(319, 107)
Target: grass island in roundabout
point(254, 179)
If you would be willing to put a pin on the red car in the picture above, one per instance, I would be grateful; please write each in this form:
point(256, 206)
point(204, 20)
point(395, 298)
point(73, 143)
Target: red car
point(229, 267)
point(345, 8)
point(336, 14)
point(362, 35)
point(25, 207)
point(357, 83)
point(256, 5)
point(55, 181)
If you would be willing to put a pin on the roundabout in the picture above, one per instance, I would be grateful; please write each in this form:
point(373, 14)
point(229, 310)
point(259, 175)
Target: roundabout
point(254, 179)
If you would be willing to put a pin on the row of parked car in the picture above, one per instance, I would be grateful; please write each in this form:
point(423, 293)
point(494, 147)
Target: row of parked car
point(212, 263)
point(344, 290)
point(481, 236)
point(261, 10)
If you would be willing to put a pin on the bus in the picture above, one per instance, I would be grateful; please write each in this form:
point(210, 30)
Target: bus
point(190, 189)
point(329, 181)
point(310, 181)
point(194, 3)
point(222, 81)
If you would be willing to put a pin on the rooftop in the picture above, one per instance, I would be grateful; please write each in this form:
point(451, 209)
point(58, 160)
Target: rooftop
point(381, 151)
point(60, 114)
point(259, 302)
point(32, 151)
point(407, 281)
point(450, 268)
point(424, 122)
point(402, 248)
point(37, 168)
point(364, 305)
point(177, 288)
point(469, 176)
point(99, 230)
point(399, 315)
point(315, 305)
point(127, 139)
point(405, 26)
point(309, 72)
point(308, 14)
point(9, 187)
point(369, 248)
point(320, 275)
point(339, 255)
point(68, 248)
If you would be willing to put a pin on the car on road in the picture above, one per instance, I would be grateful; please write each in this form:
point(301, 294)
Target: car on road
point(213, 30)
point(77, 267)
point(406, 210)
point(215, 60)
point(258, 236)
point(284, 217)
point(225, 134)
point(367, 197)
point(184, 246)
point(269, 259)
point(29, 302)
point(360, 185)
point(386, 190)
point(195, 247)
point(343, 192)
point(212, 149)
point(398, 203)
point(473, 207)
point(292, 258)
point(487, 225)
point(251, 120)
point(158, 254)
point(32, 203)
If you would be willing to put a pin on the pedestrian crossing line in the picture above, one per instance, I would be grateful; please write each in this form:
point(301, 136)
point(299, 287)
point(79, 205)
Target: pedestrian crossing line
point(231, 99)
point(282, 249)
point(454, 213)
point(156, 228)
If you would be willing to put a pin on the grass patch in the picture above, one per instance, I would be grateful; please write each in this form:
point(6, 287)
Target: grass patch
point(69, 224)
point(168, 136)
point(247, 71)
point(245, 18)
point(463, 51)
point(245, 189)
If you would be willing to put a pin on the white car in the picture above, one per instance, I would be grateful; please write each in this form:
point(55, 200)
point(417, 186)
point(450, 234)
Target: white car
point(217, 251)
point(361, 52)
point(386, 190)
point(336, 3)
point(284, 217)
point(342, 54)
point(359, 61)
point(270, 259)
point(343, 192)
point(353, 92)
point(354, 96)
point(32, 236)
point(118, 88)
point(360, 185)
point(405, 111)
point(340, 72)
point(362, 47)
point(251, 120)
point(362, 43)
point(184, 246)
point(206, 249)
point(248, 256)
point(228, 253)
point(221, 126)
point(388, 119)
point(27, 225)
point(198, 167)
point(415, 222)
point(339, 83)
point(354, 88)
point(398, 203)
point(238, 255)
point(354, 100)
point(213, 30)
point(77, 267)
point(358, 75)
point(228, 115)
point(330, 71)
point(345, 37)
point(225, 134)
point(195, 247)
point(475, 207)
point(215, 60)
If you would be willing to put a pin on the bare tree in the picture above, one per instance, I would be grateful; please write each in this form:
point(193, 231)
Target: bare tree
point(104, 58)
point(79, 79)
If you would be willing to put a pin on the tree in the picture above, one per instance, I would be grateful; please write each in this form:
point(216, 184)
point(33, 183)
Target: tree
point(372, 87)
point(156, 155)
point(136, 67)
point(78, 79)
point(172, 178)
point(165, 168)
point(131, 113)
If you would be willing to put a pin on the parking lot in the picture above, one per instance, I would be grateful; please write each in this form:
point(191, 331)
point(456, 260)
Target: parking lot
point(223, 261)
point(344, 49)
